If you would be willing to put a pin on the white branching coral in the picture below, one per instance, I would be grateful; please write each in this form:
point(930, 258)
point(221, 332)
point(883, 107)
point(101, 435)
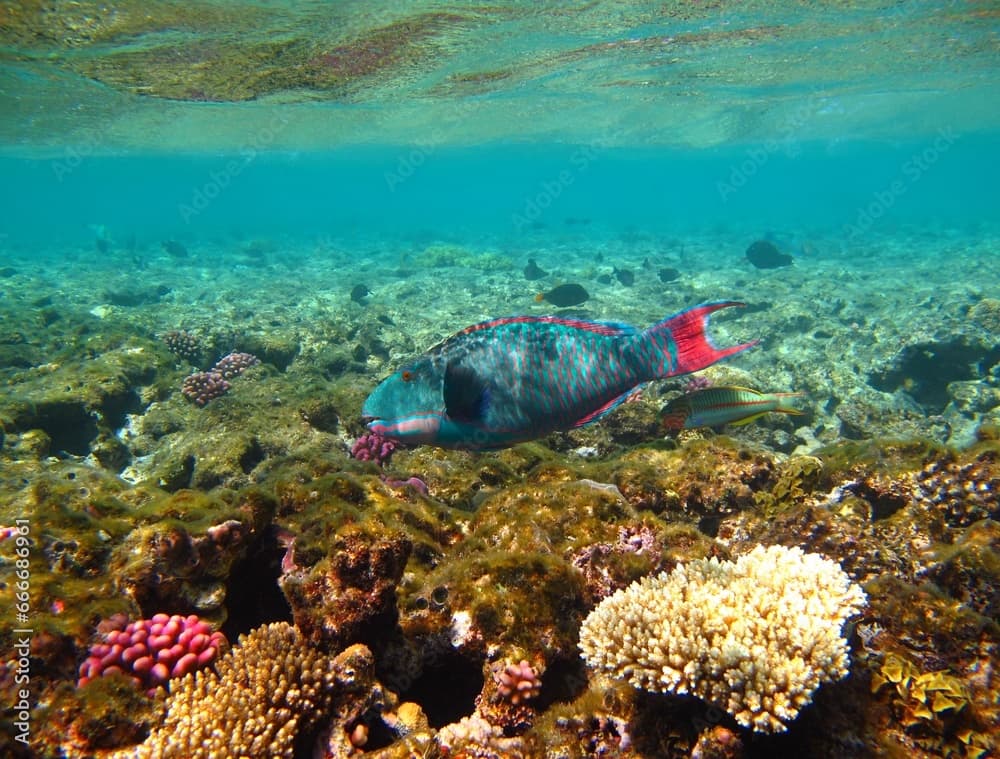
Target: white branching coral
point(756, 637)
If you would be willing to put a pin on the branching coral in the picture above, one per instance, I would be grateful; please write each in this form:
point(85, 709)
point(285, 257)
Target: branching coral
point(263, 694)
point(756, 637)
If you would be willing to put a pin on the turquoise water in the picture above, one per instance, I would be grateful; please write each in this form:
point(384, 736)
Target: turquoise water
point(337, 187)
point(509, 194)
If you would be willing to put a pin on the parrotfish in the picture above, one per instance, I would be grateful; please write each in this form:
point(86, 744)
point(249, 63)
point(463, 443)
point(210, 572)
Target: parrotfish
point(518, 378)
point(716, 406)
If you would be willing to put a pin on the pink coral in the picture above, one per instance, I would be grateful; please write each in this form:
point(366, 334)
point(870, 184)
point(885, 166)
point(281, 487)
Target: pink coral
point(373, 447)
point(152, 651)
point(518, 683)
point(201, 387)
point(183, 343)
point(234, 364)
point(695, 382)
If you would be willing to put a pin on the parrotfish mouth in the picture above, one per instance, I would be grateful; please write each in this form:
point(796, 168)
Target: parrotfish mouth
point(417, 428)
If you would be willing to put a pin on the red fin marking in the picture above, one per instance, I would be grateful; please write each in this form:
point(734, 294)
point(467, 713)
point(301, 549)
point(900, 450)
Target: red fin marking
point(694, 348)
point(631, 395)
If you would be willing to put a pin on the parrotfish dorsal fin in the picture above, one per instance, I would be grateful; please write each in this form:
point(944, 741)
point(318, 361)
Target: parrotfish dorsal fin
point(466, 394)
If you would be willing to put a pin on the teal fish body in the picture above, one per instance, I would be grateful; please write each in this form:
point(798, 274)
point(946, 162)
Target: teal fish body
point(718, 406)
point(518, 378)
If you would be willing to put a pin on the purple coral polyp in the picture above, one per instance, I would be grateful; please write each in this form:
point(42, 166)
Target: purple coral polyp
point(151, 651)
point(373, 447)
point(201, 387)
point(234, 364)
point(183, 344)
point(519, 682)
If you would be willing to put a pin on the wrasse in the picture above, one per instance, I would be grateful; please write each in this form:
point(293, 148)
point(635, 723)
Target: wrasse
point(519, 378)
point(716, 406)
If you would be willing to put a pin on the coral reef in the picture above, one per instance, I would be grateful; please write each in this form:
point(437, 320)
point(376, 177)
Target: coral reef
point(184, 344)
point(182, 559)
point(234, 364)
point(467, 577)
point(268, 692)
point(349, 592)
point(756, 637)
point(473, 736)
point(371, 446)
point(202, 387)
point(151, 651)
point(966, 493)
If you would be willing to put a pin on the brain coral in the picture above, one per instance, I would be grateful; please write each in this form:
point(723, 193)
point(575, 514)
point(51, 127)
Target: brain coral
point(756, 637)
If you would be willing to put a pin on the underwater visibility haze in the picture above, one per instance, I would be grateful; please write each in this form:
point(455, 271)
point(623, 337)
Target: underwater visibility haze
point(359, 396)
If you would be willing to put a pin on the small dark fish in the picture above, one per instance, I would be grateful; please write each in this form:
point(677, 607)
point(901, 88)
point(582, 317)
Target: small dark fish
point(669, 274)
point(386, 319)
point(533, 271)
point(625, 276)
point(103, 245)
point(359, 293)
point(174, 248)
point(604, 279)
point(765, 255)
point(564, 296)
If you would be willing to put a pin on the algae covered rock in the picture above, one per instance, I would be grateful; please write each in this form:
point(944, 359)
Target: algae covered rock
point(700, 482)
point(180, 559)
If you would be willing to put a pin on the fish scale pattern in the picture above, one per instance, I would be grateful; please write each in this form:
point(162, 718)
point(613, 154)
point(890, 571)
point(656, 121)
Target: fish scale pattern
point(519, 378)
point(546, 372)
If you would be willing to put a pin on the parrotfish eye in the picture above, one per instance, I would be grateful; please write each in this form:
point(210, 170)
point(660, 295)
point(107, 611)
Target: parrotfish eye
point(407, 376)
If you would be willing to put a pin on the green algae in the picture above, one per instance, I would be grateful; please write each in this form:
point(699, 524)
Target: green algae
point(704, 478)
point(85, 23)
point(204, 58)
point(109, 712)
point(797, 479)
point(508, 553)
point(80, 400)
point(886, 457)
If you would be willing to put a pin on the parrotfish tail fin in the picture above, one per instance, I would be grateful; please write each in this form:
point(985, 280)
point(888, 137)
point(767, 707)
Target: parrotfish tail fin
point(680, 344)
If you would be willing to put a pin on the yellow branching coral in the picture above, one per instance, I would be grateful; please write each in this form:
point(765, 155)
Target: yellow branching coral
point(263, 692)
point(757, 637)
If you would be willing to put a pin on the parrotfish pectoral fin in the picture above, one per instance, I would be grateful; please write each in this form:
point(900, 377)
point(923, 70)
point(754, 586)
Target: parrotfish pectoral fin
point(466, 394)
point(614, 403)
point(683, 343)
